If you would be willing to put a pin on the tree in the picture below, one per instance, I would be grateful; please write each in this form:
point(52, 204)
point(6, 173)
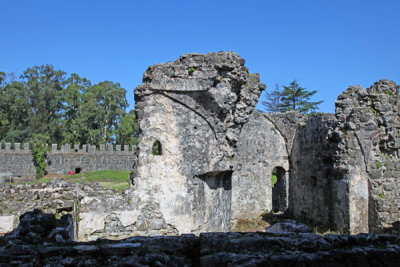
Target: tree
point(64, 109)
point(104, 105)
point(39, 150)
point(15, 112)
point(75, 124)
point(294, 97)
point(273, 100)
point(45, 85)
point(126, 131)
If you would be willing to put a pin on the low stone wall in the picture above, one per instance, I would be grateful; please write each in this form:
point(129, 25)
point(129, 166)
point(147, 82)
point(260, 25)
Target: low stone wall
point(96, 212)
point(60, 161)
point(42, 247)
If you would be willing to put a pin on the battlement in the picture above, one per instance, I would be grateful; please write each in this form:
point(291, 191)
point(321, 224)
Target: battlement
point(67, 148)
point(18, 159)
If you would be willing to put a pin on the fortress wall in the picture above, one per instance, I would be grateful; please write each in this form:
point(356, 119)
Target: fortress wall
point(17, 160)
point(60, 161)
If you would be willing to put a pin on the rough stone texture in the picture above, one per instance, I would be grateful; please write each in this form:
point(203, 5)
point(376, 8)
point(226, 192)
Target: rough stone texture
point(344, 167)
point(288, 227)
point(195, 107)
point(6, 224)
point(205, 159)
point(261, 148)
point(372, 115)
point(95, 212)
point(60, 161)
point(40, 240)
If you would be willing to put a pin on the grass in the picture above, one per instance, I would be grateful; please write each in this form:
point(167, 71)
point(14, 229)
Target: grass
point(250, 225)
point(108, 178)
point(319, 231)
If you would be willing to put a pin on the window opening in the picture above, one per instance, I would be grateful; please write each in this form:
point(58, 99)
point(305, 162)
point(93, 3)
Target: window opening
point(156, 149)
point(279, 189)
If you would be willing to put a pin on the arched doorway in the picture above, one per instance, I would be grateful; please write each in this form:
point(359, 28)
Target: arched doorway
point(279, 190)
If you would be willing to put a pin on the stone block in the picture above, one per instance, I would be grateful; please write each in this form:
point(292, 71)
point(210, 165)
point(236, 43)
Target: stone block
point(6, 223)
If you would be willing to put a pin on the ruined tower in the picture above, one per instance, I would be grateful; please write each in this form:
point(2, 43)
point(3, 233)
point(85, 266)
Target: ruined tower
point(191, 113)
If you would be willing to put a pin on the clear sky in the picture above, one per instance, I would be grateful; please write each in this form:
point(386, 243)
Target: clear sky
point(325, 45)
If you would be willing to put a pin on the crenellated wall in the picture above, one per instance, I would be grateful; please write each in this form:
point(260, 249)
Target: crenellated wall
point(19, 161)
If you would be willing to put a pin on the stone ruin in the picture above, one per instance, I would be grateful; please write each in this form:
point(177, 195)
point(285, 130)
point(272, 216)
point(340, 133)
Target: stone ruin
point(205, 159)
point(205, 156)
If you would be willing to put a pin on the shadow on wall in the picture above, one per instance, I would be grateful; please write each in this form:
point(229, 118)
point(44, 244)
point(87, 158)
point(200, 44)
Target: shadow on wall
point(214, 197)
point(37, 227)
point(279, 190)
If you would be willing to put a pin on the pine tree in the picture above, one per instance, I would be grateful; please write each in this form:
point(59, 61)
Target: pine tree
point(273, 100)
point(294, 97)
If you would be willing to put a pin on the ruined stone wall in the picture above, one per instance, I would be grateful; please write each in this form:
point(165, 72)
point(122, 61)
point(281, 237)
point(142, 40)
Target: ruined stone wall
point(61, 161)
point(209, 249)
point(195, 107)
point(315, 187)
point(344, 167)
point(372, 117)
point(96, 212)
point(261, 148)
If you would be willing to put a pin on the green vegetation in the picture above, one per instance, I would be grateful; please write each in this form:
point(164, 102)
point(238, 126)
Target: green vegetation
point(190, 70)
point(253, 77)
point(292, 97)
point(376, 113)
point(381, 195)
point(274, 178)
point(65, 109)
point(39, 149)
point(378, 165)
point(156, 148)
point(388, 92)
point(319, 231)
point(108, 179)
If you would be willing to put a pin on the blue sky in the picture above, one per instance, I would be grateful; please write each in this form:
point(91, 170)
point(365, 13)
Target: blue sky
point(325, 45)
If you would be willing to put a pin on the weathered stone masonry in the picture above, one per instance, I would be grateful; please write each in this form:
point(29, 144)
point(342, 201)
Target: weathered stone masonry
point(344, 167)
point(60, 161)
point(195, 107)
point(339, 171)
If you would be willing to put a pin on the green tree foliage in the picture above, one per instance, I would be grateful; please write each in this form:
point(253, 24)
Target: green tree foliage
point(127, 130)
point(75, 122)
point(105, 103)
point(297, 98)
point(39, 150)
point(44, 87)
point(64, 109)
point(15, 112)
point(292, 97)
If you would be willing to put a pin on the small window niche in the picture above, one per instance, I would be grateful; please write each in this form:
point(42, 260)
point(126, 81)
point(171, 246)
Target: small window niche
point(156, 149)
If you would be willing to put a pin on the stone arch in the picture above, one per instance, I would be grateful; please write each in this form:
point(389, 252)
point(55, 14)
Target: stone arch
point(261, 148)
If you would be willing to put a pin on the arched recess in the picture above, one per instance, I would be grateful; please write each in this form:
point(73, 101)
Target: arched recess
point(279, 189)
